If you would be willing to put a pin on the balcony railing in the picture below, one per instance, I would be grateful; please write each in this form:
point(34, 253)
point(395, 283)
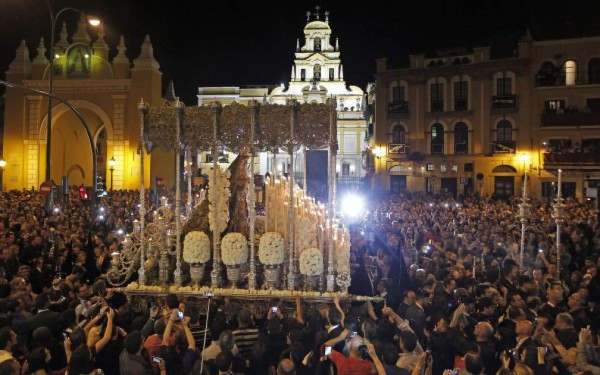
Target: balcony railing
point(574, 159)
point(461, 148)
point(398, 107)
point(437, 149)
point(504, 146)
point(398, 148)
point(504, 101)
point(570, 119)
point(461, 104)
point(437, 105)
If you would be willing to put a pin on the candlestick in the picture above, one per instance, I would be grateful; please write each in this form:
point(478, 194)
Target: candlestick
point(559, 183)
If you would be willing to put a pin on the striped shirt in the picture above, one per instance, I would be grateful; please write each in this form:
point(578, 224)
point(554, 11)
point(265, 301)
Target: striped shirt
point(244, 339)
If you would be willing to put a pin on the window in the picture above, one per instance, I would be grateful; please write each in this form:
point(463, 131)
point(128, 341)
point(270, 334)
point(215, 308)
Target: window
point(504, 86)
point(317, 44)
point(554, 106)
point(398, 94)
point(570, 72)
point(593, 104)
point(430, 167)
point(504, 131)
point(303, 74)
point(461, 96)
point(468, 167)
point(461, 138)
point(437, 139)
point(437, 97)
point(317, 71)
point(399, 135)
point(331, 74)
point(560, 145)
point(345, 169)
point(594, 70)
point(547, 75)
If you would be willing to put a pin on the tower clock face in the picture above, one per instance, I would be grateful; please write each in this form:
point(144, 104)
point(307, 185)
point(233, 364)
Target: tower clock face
point(78, 61)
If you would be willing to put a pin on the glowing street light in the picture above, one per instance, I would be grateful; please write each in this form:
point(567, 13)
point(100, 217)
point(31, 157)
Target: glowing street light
point(353, 205)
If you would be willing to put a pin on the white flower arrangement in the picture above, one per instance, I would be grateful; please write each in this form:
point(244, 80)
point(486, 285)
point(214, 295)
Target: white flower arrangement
point(196, 247)
point(311, 262)
point(271, 249)
point(343, 280)
point(234, 249)
point(223, 194)
point(306, 234)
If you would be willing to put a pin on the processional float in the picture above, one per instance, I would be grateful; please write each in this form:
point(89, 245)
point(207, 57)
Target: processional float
point(300, 237)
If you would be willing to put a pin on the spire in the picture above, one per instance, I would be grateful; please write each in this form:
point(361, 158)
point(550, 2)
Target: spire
point(527, 37)
point(341, 72)
point(146, 57)
point(298, 44)
point(62, 43)
point(41, 54)
point(327, 17)
point(170, 93)
point(337, 44)
point(100, 43)
point(21, 63)
point(317, 8)
point(308, 16)
point(120, 58)
point(293, 71)
point(81, 35)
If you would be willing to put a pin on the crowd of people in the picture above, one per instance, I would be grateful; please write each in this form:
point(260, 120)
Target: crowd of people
point(453, 297)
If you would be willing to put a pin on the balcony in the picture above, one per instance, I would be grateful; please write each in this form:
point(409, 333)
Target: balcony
point(573, 119)
point(398, 107)
point(461, 105)
point(576, 159)
point(398, 148)
point(504, 101)
point(504, 147)
point(437, 105)
point(461, 148)
point(437, 149)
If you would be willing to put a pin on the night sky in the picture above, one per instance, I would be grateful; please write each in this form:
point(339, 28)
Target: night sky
point(236, 43)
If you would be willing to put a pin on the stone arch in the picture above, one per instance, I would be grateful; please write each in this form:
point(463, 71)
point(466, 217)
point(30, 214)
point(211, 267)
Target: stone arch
point(399, 168)
point(504, 168)
point(76, 168)
point(61, 109)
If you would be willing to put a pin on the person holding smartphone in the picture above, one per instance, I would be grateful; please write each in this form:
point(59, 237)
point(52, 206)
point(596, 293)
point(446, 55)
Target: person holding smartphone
point(131, 359)
point(179, 359)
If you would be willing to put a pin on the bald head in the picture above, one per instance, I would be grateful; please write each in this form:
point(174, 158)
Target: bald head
point(523, 328)
point(286, 367)
point(484, 330)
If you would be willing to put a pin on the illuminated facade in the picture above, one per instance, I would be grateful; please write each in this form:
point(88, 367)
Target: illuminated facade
point(105, 92)
point(464, 121)
point(317, 74)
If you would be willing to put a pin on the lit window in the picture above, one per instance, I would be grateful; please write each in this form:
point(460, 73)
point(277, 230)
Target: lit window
point(570, 72)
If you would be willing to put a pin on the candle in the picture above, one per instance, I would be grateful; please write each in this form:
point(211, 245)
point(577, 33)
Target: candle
point(559, 183)
point(525, 186)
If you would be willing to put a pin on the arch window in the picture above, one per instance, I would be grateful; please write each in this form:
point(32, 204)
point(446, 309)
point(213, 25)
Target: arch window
point(399, 135)
point(317, 72)
point(547, 75)
point(317, 44)
point(437, 139)
point(594, 70)
point(461, 138)
point(504, 137)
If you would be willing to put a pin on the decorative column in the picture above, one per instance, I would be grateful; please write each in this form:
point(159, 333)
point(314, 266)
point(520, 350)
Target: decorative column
point(177, 274)
point(333, 147)
point(142, 108)
point(558, 215)
point(214, 274)
point(190, 176)
point(251, 198)
point(524, 214)
point(291, 213)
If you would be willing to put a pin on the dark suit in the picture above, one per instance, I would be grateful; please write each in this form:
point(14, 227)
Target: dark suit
point(416, 317)
point(508, 336)
point(581, 318)
point(45, 318)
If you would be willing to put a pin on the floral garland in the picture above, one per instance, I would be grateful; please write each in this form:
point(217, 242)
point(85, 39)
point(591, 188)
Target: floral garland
point(306, 234)
point(196, 247)
point(234, 249)
point(311, 262)
point(271, 249)
point(223, 194)
point(343, 281)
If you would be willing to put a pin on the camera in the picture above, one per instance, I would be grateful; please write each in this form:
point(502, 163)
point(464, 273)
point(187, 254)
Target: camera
point(274, 309)
point(180, 314)
point(328, 350)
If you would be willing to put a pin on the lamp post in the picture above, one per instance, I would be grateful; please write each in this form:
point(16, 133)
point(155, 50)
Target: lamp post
point(112, 162)
point(524, 214)
point(53, 18)
point(2, 166)
point(558, 215)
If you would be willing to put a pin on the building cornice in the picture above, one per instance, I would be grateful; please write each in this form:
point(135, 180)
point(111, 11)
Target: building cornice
point(82, 85)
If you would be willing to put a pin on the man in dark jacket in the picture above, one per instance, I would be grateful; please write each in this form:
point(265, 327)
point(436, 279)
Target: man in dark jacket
point(44, 317)
point(131, 360)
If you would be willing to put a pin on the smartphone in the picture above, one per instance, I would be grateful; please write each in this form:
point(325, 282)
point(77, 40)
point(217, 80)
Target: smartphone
point(274, 309)
point(153, 304)
point(351, 335)
point(65, 336)
point(180, 314)
point(84, 304)
point(209, 294)
point(62, 298)
point(328, 350)
point(156, 359)
point(540, 250)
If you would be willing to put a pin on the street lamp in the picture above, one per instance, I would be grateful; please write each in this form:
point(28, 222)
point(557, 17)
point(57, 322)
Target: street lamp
point(53, 18)
point(2, 166)
point(112, 162)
